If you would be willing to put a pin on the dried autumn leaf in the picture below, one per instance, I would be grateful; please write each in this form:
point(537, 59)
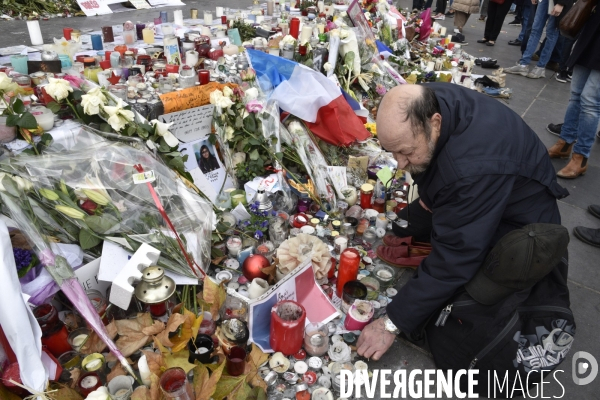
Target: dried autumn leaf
point(155, 329)
point(131, 333)
point(75, 374)
point(156, 362)
point(65, 393)
point(205, 385)
point(256, 359)
point(179, 359)
point(228, 386)
point(94, 344)
point(178, 341)
point(117, 370)
point(155, 393)
point(214, 295)
point(196, 325)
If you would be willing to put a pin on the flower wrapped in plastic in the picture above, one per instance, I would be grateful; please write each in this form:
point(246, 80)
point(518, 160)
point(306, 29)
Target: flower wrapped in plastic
point(98, 190)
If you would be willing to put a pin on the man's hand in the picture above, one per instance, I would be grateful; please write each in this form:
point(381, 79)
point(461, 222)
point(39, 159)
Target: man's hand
point(534, 2)
point(556, 10)
point(374, 340)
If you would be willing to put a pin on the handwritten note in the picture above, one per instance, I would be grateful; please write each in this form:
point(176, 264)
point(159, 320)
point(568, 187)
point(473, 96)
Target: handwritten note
point(190, 125)
point(140, 4)
point(191, 97)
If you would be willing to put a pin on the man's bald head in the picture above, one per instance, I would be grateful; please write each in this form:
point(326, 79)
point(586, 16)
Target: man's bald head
point(409, 124)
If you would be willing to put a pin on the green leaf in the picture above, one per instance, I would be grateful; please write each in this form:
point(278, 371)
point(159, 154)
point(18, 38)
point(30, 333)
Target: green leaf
point(12, 120)
point(238, 122)
point(254, 155)
point(279, 156)
point(18, 106)
point(132, 243)
point(177, 164)
point(87, 240)
point(212, 139)
point(254, 142)
point(10, 186)
point(216, 253)
point(130, 130)
point(104, 127)
point(28, 121)
point(101, 223)
point(53, 106)
point(250, 123)
point(77, 95)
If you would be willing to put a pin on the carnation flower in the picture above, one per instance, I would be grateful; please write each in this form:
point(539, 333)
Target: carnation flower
point(58, 89)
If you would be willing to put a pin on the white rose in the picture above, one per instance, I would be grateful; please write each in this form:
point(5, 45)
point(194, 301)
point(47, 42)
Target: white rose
point(99, 394)
point(91, 104)
point(117, 123)
point(215, 96)
point(162, 129)
point(327, 66)
point(251, 94)
point(227, 92)
point(58, 89)
point(224, 102)
point(97, 92)
point(229, 133)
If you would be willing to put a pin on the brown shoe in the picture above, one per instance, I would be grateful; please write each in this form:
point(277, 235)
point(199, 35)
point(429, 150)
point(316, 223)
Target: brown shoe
point(577, 166)
point(561, 149)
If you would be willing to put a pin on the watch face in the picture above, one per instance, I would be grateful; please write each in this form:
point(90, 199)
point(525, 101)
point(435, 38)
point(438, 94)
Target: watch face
point(389, 326)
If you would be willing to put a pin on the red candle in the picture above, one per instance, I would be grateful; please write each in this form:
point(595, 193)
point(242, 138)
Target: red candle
point(12, 372)
point(158, 309)
point(105, 64)
point(174, 384)
point(223, 19)
point(348, 269)
point(287, 327)
point(88, 383)
point(67, 33)
point(366, 192)
point(295, 27)
point(172, 68)
point(107, 55)
point(379, 205)
point(204, 76)
point(54, 332)
point(215, 54)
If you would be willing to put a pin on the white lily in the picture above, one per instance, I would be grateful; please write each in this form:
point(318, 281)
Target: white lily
point(162, 129)
point(58, 89)
point(118, 116)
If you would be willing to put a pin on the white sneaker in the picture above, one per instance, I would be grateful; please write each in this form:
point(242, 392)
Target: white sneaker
point(522, 70)
point(537, 72)
point(456, 30)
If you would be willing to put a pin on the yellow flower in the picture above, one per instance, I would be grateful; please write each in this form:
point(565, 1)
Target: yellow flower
point(371, 127)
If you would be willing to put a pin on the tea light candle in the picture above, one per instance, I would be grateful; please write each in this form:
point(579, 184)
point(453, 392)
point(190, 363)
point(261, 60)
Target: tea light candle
point(79, 340)
point(219, 12)
point(300, 367)
point(234, 245)
point(89, 382)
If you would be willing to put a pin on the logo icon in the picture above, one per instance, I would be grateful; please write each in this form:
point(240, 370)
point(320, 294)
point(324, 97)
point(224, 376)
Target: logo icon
point(581, 367)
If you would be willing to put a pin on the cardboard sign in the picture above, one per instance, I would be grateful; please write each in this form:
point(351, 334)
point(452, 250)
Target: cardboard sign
point(190, 125)
point(88, 277)
point(191, 97)
point(94, 7)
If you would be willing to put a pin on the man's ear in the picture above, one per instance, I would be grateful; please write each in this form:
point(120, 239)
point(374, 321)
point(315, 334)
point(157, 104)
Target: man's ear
point(436, 122)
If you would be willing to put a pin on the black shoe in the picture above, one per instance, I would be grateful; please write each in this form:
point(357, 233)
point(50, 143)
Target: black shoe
point(594, 209)
point(515, 42)
point(449, 14)
point(482, 41)
point(554, 129)
point(569, 75)
point(490, 43)
point(587, 235)
point(515, 23)
point(481, 60)
point(553, 66)
point(561, 76)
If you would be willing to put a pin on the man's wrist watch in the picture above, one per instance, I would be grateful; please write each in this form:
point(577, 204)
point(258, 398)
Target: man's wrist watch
point(389, 326)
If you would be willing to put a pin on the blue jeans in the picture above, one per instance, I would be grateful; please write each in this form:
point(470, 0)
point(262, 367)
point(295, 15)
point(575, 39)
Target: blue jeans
point(583, 111)
point(541, 16)
point(524, 24)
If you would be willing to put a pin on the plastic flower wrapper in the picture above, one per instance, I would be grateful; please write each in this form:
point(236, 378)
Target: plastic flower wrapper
point(299, 137)
point(91, 190)
point(15, 203)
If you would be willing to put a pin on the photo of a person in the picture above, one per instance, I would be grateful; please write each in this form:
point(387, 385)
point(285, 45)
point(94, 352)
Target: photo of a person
point(206, 160)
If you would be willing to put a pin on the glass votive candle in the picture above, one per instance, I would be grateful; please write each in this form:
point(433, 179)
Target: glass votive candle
point(316, 339)
point(175, 385)
point(99, 302)
point(208, 18)
point(234, 245)
point(165, 84)
point(89, 382)
point(385, 275)
point(69, 360)
point(353, 290)
point(78, 338)
point(236, 361)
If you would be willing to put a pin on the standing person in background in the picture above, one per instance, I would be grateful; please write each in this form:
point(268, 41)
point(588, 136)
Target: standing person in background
point(440, 10)
point(462, 11)
point(497, 11)
point(526, 25)
point(450, 12)
point(519, 13)
point(545, 16)
point(583, 113)
point(483, 9)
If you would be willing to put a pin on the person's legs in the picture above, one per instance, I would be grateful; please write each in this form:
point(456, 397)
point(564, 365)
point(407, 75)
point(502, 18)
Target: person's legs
point(484, 7)
point(570, 127)
point(541, 16)
point(557, 52)
point(552, 34)
point(589, 114)
point(440, 7)
point(489, 24)
point(499, 20)
point(417, 4)
point(460, 19)
point(525, 40)
point(419, 220)
point(566, 52)
point(428, 4)
point(527, 15)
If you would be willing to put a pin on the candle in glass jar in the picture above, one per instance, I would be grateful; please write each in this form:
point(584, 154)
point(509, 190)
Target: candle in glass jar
point(340, 243)
point(366, 193)
point(88, 383)
point(348, 268)
point(219, 12)
point(306, 33)
point(148, 35)
point(294, 27)
point(234, 245)
point(316, 339)
point(208, 18)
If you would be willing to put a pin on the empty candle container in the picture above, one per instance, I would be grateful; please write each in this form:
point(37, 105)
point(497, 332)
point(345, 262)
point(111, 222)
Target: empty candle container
point(316, 339)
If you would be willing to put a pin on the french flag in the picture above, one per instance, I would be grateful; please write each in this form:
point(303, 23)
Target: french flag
point(310, 96)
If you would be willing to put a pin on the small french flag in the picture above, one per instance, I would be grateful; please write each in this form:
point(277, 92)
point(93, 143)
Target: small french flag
point(310, 96)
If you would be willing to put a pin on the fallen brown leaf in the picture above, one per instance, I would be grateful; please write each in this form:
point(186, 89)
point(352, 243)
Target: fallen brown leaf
point(94, 344)
point(156, 362)
point(175, 321)
point(229, 386)
point(75, 374)
point(117, 370)
point(255, 360)
point(6, 395)
point(131, 333)
point(205, 384)
point(155, 393)
point(214, 295)
point(65, 393)
point(140, 393)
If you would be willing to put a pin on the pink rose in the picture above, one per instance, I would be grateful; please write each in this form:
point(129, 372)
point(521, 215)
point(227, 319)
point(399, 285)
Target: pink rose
point(254, 106)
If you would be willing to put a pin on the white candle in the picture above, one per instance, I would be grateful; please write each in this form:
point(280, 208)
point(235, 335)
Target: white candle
point(259, 19)
point(144, 370)
point(270, 6)
point(191, 58)
point(430, 66)
point(88, 382)
point(208, 18)
point(178, 17)
point(306, 33)
point(274, 51)
point(79, 340)
point(321, 5)
point(443, 31)
point(205, 30)
point(35, 34)
point(219, 12)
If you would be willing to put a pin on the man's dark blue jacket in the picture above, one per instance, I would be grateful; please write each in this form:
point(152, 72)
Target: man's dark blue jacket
point(490, 174)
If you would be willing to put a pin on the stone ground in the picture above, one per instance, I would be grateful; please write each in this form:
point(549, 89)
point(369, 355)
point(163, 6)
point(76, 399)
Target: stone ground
point(539, 102)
